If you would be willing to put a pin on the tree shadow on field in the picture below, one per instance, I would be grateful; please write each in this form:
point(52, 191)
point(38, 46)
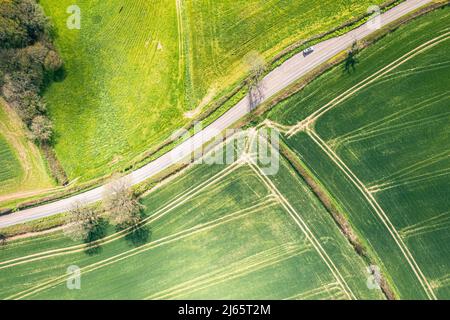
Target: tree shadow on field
point(138, 233)
point(3, 240)
point(350, 63)
point(60, 74)
point(138, 236)
point(98, 232)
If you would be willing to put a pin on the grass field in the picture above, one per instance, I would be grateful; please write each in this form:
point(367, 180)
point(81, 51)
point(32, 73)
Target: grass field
point(9, 165)
point(378, 139)
point(136, 67)
point(22, 170)
point(222, 33)
point(216, 231)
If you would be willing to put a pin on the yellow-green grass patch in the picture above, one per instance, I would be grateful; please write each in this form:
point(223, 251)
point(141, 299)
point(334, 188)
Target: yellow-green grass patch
point(135, 68)
point(23, 172)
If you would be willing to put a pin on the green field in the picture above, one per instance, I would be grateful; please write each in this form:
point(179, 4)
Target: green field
point(381, 148)
point(9, 165)
point(216, 231)
point(136, 67)
point(22, 170)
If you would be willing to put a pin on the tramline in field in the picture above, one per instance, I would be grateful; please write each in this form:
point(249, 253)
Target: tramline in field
point(326, 177)
point(247, 225)
point(384, 135)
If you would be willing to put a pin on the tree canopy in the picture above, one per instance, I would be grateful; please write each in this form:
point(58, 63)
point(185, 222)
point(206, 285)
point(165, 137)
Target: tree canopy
point(28, 63)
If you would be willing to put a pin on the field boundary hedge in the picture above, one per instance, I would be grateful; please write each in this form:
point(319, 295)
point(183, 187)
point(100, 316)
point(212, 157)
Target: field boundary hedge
point(336, 213)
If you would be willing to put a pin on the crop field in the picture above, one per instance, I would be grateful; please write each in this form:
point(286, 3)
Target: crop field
point(22, 170)
point(216, 231)
point(378, 140)
point(135, 68)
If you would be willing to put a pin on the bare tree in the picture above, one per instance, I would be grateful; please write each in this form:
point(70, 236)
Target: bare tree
point(257, 68)
point(120, 202)
point(84, 223)
point(28, 63)
point(41, 129)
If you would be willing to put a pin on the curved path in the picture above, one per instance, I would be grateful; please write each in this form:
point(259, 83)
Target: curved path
point(275, 81)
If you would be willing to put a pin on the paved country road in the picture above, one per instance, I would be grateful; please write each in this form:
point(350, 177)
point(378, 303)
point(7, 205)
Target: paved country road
point(278, 79)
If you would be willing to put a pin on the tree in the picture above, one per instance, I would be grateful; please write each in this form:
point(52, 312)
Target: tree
point(34, 55)
point(34, 19)
point(20, 91)
point(41, 129)
point(28, 63)
point(121, 204)
point(84, 223)
point(22, 22)
point(257, 68)
point(125, 211)
point(11, 34)
point(53, 61)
